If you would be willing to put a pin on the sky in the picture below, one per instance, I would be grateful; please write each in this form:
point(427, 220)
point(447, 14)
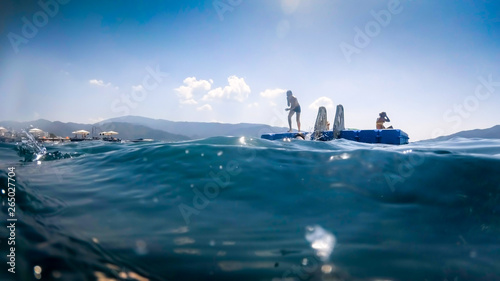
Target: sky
point(433, 66)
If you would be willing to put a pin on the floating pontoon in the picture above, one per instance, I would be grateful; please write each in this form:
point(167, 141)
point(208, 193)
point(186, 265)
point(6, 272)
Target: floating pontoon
point(322, 133)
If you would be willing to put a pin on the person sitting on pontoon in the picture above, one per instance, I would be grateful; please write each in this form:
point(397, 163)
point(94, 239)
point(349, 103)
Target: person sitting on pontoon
point(381, 120)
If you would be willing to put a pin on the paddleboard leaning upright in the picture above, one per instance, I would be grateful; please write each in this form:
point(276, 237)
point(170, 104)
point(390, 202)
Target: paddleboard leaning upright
point(338, 122)
point(321, 125)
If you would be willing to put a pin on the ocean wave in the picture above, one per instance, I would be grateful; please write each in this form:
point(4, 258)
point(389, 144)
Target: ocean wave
point(239, 208)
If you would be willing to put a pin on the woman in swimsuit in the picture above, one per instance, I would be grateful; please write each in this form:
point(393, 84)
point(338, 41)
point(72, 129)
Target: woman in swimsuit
point(294, 108)
point(381, 120)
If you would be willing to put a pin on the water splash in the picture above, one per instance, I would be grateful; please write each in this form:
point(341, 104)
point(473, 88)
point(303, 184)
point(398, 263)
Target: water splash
point(30, 148)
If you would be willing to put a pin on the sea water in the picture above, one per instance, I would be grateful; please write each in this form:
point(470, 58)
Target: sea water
point(237, 208)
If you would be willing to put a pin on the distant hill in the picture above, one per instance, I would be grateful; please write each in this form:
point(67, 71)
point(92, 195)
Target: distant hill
point(199, 129)
point(125, 130)
point(491, 133)
point(134, 127)
point(132, 131)
point(56, 127)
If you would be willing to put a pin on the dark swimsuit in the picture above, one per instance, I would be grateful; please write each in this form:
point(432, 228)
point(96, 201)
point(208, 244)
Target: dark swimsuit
point(297, 109)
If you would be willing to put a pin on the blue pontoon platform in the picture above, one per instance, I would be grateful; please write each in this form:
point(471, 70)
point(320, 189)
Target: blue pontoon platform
point(387, 136)
point(323, 133)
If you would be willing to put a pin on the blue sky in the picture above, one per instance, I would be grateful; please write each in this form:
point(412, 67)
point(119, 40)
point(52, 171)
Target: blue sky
point(433, 66)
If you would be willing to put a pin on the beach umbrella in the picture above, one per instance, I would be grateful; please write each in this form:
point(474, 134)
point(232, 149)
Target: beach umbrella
point(81, 132)
point(35, 130)
point(108, 133)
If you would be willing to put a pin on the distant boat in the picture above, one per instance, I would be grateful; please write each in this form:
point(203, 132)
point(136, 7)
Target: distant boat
point(142, 140)
point(108, 136)
point(111, 139)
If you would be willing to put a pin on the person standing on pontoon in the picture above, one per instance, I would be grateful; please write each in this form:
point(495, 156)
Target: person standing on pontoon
point(294, 107)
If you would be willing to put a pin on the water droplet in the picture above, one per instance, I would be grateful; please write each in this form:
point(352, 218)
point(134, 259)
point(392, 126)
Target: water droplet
point(38, 272)
point(327, 269)
point(211, 243)
point(220, 167)
point(220, 153)
point(345, 156)
point(184, 241)
point(141, 247)
point(187, 151)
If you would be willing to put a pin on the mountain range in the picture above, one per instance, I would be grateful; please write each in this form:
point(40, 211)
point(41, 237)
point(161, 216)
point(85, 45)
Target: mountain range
point(196, 130)
point(490, 133)
point(135, 127)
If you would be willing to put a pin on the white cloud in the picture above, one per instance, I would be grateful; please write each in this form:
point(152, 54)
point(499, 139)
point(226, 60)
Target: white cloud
point(99, 83)
point(322, 101)
point(189, 101)
point(187, 92)
point(96, 120)
point(205, 107)
point(137, 88)
point(252, 105)
point(272, 93)
point(237, 90)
